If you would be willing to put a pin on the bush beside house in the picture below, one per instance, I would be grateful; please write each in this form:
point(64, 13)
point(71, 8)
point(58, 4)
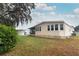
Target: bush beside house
point(8, 38)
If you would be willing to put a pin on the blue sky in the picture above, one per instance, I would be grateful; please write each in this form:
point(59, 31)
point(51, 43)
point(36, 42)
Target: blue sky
point(69, 12)
point(64, 7)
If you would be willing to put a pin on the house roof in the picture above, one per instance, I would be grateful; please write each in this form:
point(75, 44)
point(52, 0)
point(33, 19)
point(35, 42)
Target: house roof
point(52, 22)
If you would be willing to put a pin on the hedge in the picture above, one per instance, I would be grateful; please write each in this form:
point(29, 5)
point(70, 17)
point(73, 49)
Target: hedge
point(8, 36)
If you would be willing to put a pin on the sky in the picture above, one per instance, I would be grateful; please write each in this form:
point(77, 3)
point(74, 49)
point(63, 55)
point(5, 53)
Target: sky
point(68, 12)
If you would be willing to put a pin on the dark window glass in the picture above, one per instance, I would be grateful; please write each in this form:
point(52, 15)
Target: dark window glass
point(48, 27)
point(38, 28)
point(56, 26)
point(61, 26)
point(52, 27)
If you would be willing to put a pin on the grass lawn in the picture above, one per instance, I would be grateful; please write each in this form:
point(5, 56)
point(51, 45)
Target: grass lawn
point(36, 46)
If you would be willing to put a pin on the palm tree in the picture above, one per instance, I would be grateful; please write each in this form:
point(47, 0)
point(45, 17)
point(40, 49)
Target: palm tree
point(12, 14)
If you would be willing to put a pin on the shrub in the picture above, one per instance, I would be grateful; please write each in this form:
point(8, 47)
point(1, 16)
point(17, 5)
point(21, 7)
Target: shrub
point(8, 38)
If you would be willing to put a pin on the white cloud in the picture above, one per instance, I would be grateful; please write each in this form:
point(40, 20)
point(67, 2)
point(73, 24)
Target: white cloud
point(38, 5)
point(52, 13)
point(70, 16)
point(76, 10)
point(37, 14)
point(44, 6)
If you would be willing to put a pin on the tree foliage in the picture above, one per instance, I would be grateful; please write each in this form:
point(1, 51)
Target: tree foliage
point(14, 13)
point(11, 14)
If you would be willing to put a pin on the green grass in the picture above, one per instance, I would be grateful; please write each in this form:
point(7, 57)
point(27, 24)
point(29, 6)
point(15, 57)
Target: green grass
point(36, 46)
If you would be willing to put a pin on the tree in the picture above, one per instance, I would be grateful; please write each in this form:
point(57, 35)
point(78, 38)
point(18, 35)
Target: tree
point(12, 14)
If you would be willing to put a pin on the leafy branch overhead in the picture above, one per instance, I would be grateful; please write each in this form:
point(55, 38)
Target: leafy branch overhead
point(14, 13)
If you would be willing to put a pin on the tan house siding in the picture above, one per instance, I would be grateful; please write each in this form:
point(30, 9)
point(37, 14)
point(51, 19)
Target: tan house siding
point(45, 32)
point(66, 32)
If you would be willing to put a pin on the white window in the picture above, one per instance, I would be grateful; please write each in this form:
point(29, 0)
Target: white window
point(61, 26)
point(48, 28)
point(38, 28)
point(52, 27)
point(56, 26)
